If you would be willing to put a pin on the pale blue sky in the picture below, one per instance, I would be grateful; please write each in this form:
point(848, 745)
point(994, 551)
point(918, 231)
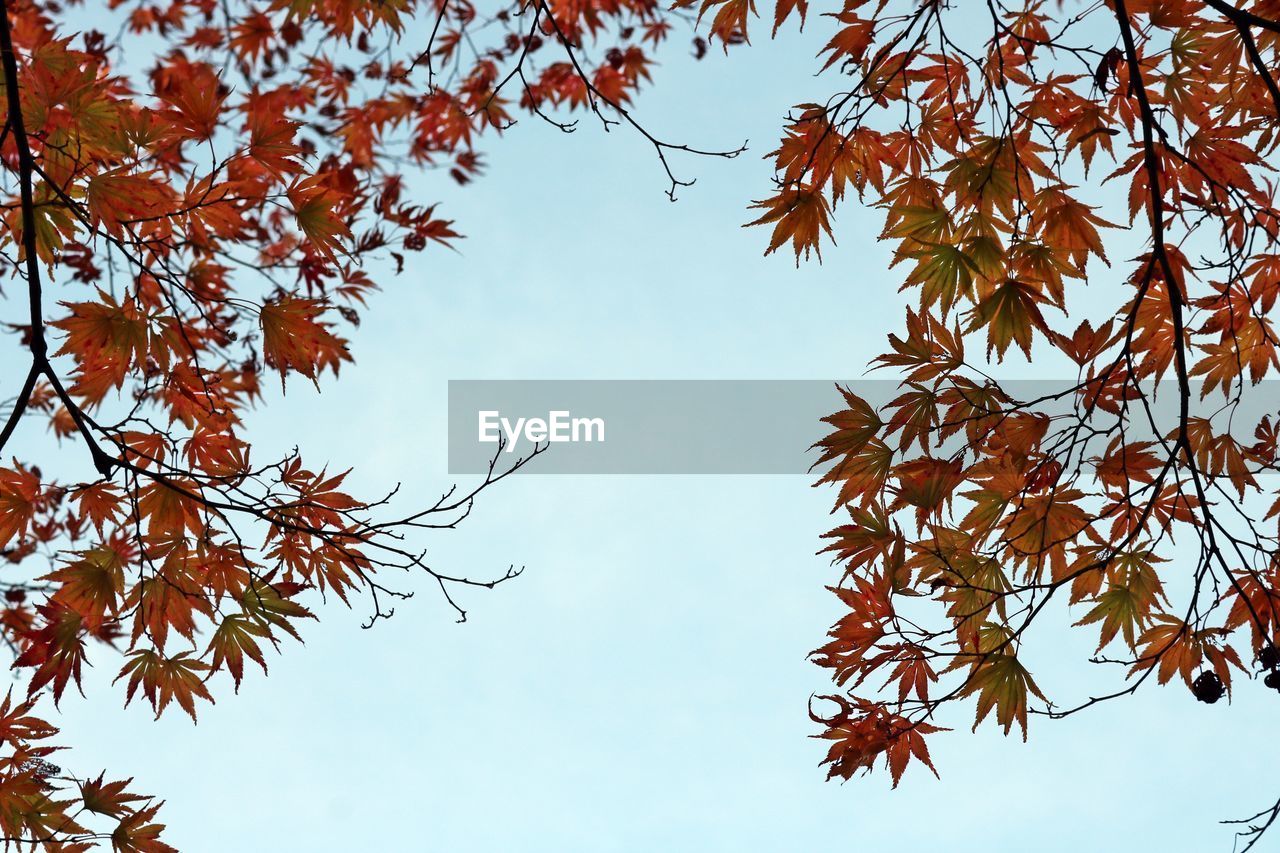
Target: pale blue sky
point(643, 686)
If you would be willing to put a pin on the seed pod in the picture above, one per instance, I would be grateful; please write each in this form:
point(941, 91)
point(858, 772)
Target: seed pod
point(1207, 687)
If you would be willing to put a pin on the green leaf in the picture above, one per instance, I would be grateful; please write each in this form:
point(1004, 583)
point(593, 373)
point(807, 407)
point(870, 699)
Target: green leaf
point(1002, 684)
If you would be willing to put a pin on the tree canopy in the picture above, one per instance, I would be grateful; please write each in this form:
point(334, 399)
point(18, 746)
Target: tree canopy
point(192, 206)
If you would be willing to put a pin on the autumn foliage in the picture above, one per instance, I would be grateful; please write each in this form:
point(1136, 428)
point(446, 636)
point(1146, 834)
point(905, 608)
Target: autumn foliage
point(191, 207)
point(1091, 187)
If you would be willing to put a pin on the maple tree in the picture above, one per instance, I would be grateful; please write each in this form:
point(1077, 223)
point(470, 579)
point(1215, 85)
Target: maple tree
point(1010, 148)
point(189, 211)
point(185, 228)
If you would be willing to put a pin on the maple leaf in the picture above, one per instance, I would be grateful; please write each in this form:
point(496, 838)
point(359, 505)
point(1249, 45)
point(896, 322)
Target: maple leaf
point(913, 673)
point(294, 338)
point(1002, 684)
point(1010, 314)
point(850, 43)
point(1222, 157)
point(927, 484)
point(1117, 608)
point(166, 601)
point(165, 679)
point(914, 416)
point(108, 798)
point(55, 226)
point(862, 474)
point(118, 198)
point(252, 35)
point(862, 731)
point(92, 586)
point(854, 428)
point(1127, 463)
point(233, 640)
point(1177, 648)
point(783, 10)
point(99, 504)
point(799, 214)
point(27, 809)
point(439, 230)
point(1131, 598)
point(195, 104)
point(171, 506)
point(313, 209)
point(730, 21)
point(56, 650)
point(858, 631)
point(868, 537)
point(135, 833)
point(945, 272)
point(271, 143)
point(1041, 528)
point(930, 349)
point(1255, 601)
point(1069, 226)
point(270, 602)
point(19, 493)
point(1086, 343)
point(212, 210)
point(1219, 454)
point(17, 723)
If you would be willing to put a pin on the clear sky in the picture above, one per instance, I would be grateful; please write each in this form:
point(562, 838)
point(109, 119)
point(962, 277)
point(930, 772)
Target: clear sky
point(643, 686)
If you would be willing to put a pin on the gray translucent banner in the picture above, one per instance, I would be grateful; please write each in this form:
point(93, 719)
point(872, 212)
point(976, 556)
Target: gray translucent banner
point(752, 427)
